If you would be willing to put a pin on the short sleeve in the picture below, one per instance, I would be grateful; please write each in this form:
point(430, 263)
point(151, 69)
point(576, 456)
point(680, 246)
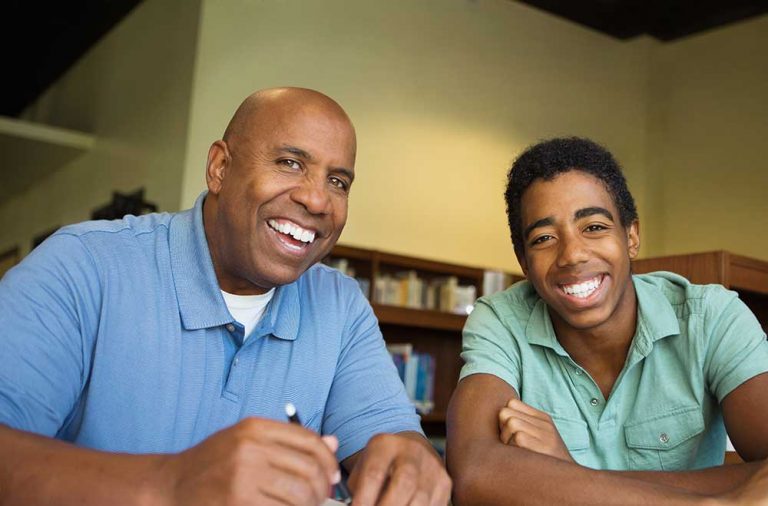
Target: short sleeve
point(46, 306)
point(737, 349)
point(488, 347)
point(367, 396)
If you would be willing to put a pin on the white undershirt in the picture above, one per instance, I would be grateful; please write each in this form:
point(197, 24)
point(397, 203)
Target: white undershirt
point(247, 309)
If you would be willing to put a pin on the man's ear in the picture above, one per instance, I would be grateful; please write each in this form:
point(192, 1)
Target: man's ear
point(633, 239)
point(521, 260)
point(216, 168)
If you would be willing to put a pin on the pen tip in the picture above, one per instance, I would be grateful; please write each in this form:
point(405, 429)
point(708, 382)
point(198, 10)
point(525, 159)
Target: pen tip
point(290, 409)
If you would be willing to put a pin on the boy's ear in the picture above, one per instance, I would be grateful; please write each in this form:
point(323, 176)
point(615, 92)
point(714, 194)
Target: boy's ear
point(633, 239)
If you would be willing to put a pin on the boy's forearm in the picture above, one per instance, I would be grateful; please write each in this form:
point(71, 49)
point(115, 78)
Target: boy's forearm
point(494, 474)
point(710, 481)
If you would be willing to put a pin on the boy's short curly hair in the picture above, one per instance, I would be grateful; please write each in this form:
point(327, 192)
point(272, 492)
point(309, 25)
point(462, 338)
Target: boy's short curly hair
point(550, 158)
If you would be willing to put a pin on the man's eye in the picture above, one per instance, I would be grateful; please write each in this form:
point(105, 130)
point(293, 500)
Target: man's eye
point(291, 164)
point(541, 239)
point(339, 183)
point(595, 228)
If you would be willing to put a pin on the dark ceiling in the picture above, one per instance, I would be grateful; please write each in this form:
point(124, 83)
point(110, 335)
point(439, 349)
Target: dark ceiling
point(665, 20)
point(40, 40)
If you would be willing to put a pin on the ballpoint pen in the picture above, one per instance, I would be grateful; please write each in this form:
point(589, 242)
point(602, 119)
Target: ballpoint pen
point(340, 489)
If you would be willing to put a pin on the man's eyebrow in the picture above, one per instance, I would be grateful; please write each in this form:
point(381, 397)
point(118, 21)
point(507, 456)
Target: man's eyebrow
point(591, 211)
point(536, 224)
point(295, 151)
point(348, 173)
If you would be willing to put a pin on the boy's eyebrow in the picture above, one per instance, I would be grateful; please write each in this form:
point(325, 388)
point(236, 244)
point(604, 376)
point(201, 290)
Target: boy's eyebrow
point(536, 224)
point(591, 211)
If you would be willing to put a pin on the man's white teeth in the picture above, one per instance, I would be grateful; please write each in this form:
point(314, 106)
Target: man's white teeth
point(293, 230)
point(582, 290)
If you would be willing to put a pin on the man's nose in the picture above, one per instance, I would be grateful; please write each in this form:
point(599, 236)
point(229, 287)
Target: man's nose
point(313, 194)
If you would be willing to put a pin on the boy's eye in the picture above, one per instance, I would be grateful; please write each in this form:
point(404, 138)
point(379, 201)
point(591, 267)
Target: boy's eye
point(595, 228)
point(541, 239)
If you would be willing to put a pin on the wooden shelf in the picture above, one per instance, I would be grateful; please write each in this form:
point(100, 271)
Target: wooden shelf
point(421, 318)
point(435, 333)
point(34, 151)
point(728, 269)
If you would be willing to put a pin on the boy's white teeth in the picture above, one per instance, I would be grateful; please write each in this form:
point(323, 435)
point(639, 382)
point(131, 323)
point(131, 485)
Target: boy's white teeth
point(293, 230)
point(582, 290)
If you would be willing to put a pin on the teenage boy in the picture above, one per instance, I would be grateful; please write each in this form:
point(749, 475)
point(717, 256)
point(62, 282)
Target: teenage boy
point(588, 385)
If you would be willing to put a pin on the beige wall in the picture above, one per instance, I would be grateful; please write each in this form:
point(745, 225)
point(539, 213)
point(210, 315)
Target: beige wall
point(132, 92)
point(444, 94)
point(708, 142)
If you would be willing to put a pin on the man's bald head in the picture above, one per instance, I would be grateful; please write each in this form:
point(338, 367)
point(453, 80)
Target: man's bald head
point(261, 105)
point(286, 163)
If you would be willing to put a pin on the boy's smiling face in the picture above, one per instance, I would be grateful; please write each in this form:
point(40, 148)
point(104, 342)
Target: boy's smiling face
point(576, 252)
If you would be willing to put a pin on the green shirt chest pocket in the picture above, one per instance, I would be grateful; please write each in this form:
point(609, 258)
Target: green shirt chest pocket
point(573, 432)
point(666, 441)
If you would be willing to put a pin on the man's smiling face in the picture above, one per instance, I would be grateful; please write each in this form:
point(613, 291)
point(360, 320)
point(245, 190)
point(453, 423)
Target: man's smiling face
point(278, 192)
point(576, 253)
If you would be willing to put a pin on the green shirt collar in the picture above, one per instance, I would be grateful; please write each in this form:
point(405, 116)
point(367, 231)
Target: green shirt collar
point(656, 320)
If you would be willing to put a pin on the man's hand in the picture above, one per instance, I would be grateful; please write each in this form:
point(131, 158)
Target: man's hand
point(526, 427)
point(256, 461)
point(399, 469)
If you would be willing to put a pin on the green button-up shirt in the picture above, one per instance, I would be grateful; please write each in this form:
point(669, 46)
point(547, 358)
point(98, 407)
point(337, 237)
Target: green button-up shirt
point(693, 345)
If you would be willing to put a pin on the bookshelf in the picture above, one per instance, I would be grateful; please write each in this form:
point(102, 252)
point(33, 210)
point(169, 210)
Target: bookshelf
point(431, 331)
point(746, 276)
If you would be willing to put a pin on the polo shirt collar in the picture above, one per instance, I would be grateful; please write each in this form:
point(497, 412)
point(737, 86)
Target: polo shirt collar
point(201, 304)
point(656, 320)
point(281, 319)
point(540, 330)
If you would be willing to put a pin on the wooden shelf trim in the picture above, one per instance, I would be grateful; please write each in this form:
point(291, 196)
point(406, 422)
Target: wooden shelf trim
point(424, 318)
point(730, 270)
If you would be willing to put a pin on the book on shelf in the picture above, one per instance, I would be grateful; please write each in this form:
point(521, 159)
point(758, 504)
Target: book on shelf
point(495, 281)
point(409, 289)
point(343, 265)
point(417, 372)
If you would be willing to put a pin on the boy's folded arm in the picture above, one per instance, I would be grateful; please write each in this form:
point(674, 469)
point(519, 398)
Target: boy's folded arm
point(486, 471)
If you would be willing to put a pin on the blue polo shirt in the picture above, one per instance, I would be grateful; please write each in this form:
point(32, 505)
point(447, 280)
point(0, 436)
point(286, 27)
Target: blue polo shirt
point(114, 335)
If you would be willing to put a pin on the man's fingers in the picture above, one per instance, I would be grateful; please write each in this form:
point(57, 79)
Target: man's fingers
point(292, 465)
point(292, 436)
point(403, 483)
point(442, 492)
point(369, 481)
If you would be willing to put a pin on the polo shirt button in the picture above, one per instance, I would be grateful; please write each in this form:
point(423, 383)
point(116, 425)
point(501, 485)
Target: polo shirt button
point(230, 327)
point(594, 402)
point(237, 360)
point(578, 372)
point(664, 438)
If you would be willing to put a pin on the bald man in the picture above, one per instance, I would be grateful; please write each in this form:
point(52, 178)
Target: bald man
point(149, 360)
